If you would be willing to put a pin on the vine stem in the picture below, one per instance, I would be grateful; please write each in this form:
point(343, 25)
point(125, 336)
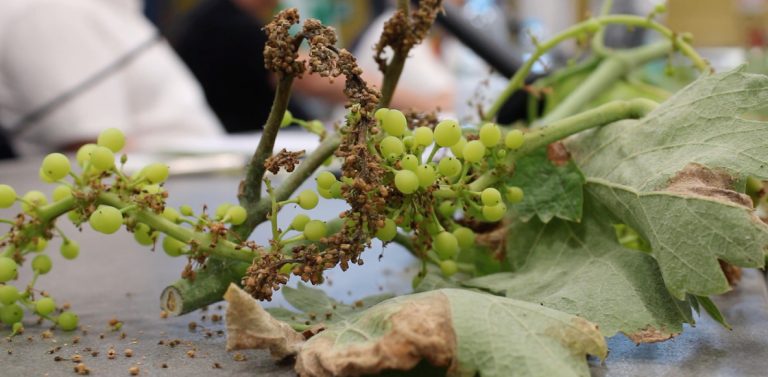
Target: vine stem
point(588, 26)
point(395, 66)
point(541, 137)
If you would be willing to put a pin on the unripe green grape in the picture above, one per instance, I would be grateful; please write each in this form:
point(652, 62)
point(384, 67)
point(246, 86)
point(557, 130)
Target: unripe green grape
point(45, 306)
point(84, 153)
point(433, 227)
point(17, 328)
point(336, 190)
point(316, 127)
point(314, 230)
point(32, 200)
point(394, 123)
point(106, 219)
point(9, 294)
point(325, 180)
point(426, 175)
point(490, 134)
point(494, 213)
point(379, 114)
point(449, 167)
point(152, 189)
point(11, 314)
point(74, 217)
point(388, 231)
point(299, 222)
point(448, 268)
point(465, 237)
point(391, 146)
point(186, 210)
point(406, 181)
point(41, 244)
point(514, 194)
point(409, 162)
point(490, 196)
point(171, 214)
point(67, 321)
point(44, 177)
point(7, 196)
point(447, 209)
point(173, 247)
point(307, 199)
point(112, 138)
point(287, 119)
point(143, 235)
point(501, 153)
point(55, 166)
point(221, 210)
point(514, 139)
point(458, 148)
point(61, 192)
point(447, 133)
point(102, 158)
point(155, 172)
point(324, 193)
point(237, 214)
point(69, 249)
point(445, 244)
point(474, 151)
point(408, 143)
point(423, 136)
point(42, 264)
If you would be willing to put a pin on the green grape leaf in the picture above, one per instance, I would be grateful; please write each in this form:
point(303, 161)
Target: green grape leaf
point(581, 269)
point(468, 333)
point(674, 175)
point(550, 191)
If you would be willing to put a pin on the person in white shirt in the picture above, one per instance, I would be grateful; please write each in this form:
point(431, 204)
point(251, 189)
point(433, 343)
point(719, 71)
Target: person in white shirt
point(71, 68)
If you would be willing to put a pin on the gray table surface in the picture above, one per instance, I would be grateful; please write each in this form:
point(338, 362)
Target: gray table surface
point(116, 278)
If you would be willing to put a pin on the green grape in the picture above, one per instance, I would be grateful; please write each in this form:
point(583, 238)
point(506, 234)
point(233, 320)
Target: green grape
point(171, 214)
point(221, 210)
point(325, 180)
point(17, 328)
point(408, 143)
point(11, 314)
point(173, 247)
point(447, 209)
point(69, 249)
point(74, 217)
point(32, 200)
point(106, 219)
point(314, 230)
point(143, 235)
point(44, 177)
point(426, 175)
point(409, 162)
point(299, 222)
point(287, 119)
point(447, 133)
point(514, 139)
point(111, 138)
point(490, 196)
point(307, 199)
point(501, 153)
point(45, 306)
point(474, 151)
point(465, 237)
point(490, 134)
point(406, 181)
point(446, 246)
point(102, 158)
point(84, 154)
point(7, 196)
point(449, 167)
point(324, 193)
point(458, 148)
point(379, 114)
point(42, 264)
point(8, 294)
point(187, 210)
point(494, 213)
point(237, 214)
point(422, 136)
point(448, 268)
point(393, 122)
point(55, 166)
point(388, 231)
point(152, 189)
point(336, 190)
point(67, 321)
point(41, 244)
point(514, 194)
point(155, 172)
point(433, 227)
point(390, 146)
point(61, 192)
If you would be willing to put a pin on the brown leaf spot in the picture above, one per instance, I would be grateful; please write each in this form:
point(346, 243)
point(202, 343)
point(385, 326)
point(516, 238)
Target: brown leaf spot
point(250, 326)
point(557, 154)
point(650, 334)
point(419, 330)
point(732, 273)
point(699, 180)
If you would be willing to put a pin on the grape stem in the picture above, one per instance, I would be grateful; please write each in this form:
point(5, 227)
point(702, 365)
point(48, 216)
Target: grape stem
point(395, 66)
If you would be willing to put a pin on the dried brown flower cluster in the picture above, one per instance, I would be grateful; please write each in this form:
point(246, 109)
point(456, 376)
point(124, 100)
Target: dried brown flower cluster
point(283, 159)
point(402, 32)
point(281, 51)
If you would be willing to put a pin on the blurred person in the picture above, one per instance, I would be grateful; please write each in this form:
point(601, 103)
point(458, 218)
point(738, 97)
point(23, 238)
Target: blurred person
point(71, 68)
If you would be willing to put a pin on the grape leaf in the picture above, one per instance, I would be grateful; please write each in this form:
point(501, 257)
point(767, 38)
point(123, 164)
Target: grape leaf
point(468, 332)
point(672, 176)
point(581, 269)
point(550, 191)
